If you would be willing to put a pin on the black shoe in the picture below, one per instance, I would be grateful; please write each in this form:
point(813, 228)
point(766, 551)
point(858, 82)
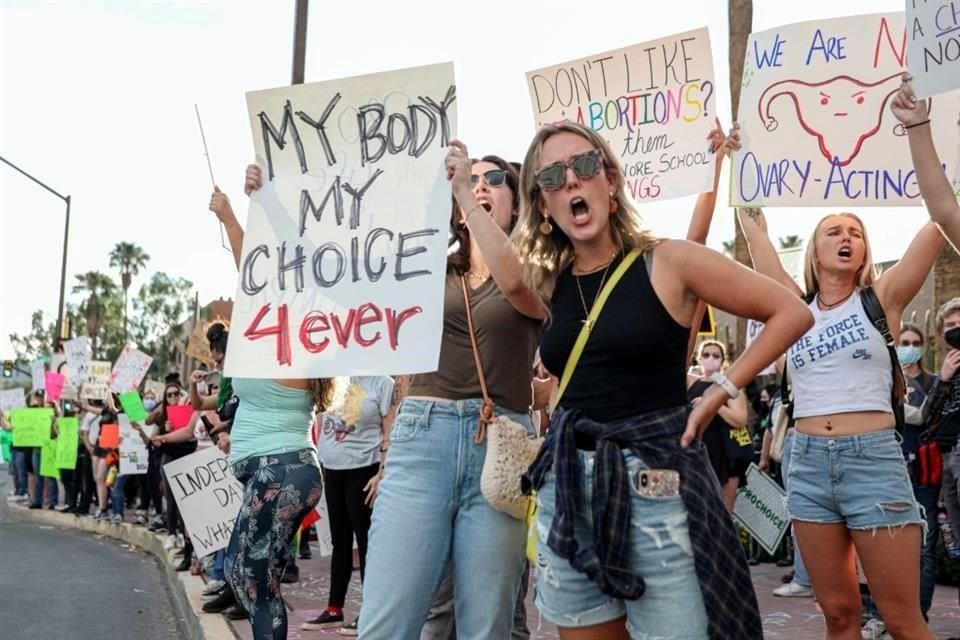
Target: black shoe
point(221, 603)
point(36, 506)
point(350, 629)
point(291, 574)
point(68, 509)
point(325, 620)
point(185, 561)
point(786, 561)
point(52, 507)
point(753, 561)
point(305, 554)
point(237, 612)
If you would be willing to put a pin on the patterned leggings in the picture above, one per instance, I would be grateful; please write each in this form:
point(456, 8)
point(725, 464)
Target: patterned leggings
point(279, 490)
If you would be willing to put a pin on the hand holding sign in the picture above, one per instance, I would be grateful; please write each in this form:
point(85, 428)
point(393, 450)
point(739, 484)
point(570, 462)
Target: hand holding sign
point(458, 169)
point(905, 106)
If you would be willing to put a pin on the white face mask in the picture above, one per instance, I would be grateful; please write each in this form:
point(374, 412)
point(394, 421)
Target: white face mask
point(710, 366)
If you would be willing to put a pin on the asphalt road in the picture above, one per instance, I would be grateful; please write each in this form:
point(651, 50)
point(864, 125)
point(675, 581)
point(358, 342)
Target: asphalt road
point(68, 585)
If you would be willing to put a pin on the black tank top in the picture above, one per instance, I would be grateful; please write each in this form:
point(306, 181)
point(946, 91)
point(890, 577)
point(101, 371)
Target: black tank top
point(634, 361)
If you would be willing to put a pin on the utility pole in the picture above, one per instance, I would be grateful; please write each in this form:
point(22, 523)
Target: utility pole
point(299, 42)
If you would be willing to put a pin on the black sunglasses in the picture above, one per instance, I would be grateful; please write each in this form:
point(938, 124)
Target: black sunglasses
point(585, 165)
point(493, 178)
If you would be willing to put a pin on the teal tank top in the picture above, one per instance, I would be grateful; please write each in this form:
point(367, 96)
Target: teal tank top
point(271, 419)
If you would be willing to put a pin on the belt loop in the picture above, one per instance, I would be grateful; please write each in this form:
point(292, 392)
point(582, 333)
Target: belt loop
point(427, 406)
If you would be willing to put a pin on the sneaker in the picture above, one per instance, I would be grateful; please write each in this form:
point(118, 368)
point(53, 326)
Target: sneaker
point(36, 506)
point(99, 515)
point(793, 590)
point(184, 563)
point(350, 629)
point(221, 603)
point(291, 574)
point(326, 620)
point(237, 612)
point(214, 587)
point(117, 518)
point(170, 543)
point(140, 520)
point(180, 540)
point(873, 629)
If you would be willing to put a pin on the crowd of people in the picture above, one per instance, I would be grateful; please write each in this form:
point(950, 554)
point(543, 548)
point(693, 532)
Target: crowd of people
point(559, 303)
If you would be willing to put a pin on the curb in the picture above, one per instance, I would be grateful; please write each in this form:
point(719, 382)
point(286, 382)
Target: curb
point(185, 589)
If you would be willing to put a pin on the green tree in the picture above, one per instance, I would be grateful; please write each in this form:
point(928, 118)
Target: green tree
point(102, 309)
point(42, 338)
point(728, 247)
point(129, 259)
point(790, 242)
point(159, 310)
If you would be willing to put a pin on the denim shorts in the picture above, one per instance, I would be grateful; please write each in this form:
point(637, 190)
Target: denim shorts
point(861, 481)
point(672, 605)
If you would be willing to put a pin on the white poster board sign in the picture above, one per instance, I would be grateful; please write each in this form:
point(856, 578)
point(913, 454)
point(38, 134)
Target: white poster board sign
point(343, 263)
point(97, 385)
point(933, 45)
point(38, 370)
point(815, 117)
point(324, 536)
point(654, 104)
point(208, 495)
point(129, 370)
point(134, 457)
point(12, 399)
point(78, 354)
point(760, 509)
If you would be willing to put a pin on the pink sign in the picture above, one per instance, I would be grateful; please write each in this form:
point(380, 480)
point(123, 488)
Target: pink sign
point(53, 382)
point(179, 415)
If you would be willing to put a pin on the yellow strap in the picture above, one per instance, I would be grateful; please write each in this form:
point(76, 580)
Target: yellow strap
point(591, 321)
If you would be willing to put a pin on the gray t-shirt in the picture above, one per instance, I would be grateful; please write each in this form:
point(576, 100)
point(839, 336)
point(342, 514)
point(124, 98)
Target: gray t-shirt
point(352, 446)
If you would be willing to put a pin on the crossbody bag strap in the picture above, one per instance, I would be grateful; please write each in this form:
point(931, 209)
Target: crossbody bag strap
point(878, 318)
point(486, 413)
point(591, 322)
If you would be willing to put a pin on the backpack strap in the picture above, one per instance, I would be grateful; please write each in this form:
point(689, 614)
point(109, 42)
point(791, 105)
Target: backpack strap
point(878, 318)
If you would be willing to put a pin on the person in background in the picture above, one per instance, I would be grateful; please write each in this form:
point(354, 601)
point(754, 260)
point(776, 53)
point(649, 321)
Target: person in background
point(151, 494)
point(43, 487)
point(72, 479)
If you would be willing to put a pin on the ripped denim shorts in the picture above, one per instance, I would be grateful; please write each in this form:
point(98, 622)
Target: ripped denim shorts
point(860, 481)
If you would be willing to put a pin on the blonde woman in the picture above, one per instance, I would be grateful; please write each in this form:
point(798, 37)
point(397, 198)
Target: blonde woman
point(847, 479)
point(634, 535)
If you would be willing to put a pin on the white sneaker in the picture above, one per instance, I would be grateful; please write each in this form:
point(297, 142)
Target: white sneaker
point(179, 540)
point(116, 518)
point(873, 629)
point(793, 590)
point(213, 586)
point(170, 543)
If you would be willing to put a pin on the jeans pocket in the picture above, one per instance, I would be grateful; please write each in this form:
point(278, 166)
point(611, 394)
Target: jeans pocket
point(405, 428)
point(887, 451)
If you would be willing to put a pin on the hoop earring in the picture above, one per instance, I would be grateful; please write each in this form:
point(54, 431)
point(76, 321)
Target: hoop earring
point(545, 227)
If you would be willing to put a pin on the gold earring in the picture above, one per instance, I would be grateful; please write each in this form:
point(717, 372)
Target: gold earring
point(614, 205)
point(545, 227)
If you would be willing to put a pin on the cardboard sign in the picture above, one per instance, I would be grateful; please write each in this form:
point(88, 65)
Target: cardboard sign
point(12, 399)
point(815, 117)
point(31, 427)
point(355, 206)
point(109, 436)
point(67, 442)
point(129, 370)
point(760, 509)
point(208, 495)
point(653, 102)
point(933, 45)
point(133, 406)
point(179, 415)
point(53, 383)
point(156, 387)
point(134, 456)
point(97, 385)
point(198, 347)
point(38, 372)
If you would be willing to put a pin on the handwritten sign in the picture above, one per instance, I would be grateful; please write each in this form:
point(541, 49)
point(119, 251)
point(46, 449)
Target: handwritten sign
point(133, 406)
point(12, 399)
point(653, 102)
point(760, 509)
point(79, 354)
point(134, 457)
point(38, 370)
point(53, 383)
point(129, 370)
point(343, 262)
point(156, 387)
point(48, 459)
point(933, 46)
point(58, 364)
point(198, 347)
point(97, 385)
point(208, 495)
point(67, 443)
point(815, 117)
point(31, 427)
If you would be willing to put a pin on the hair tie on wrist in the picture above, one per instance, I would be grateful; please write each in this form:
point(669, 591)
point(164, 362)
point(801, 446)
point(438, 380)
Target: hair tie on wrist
point(916, 124)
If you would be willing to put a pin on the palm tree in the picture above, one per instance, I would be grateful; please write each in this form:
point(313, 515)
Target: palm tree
point(790, 242)
point(98, 287)
point(130, 259)
point(739, 26)
point(728, 247)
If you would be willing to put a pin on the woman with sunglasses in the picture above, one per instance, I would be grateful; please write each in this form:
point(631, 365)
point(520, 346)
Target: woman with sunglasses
point(651, 550)
point(429, 514)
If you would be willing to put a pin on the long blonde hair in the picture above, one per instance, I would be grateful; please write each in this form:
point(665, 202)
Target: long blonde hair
point(867, 274)
point(544, 257)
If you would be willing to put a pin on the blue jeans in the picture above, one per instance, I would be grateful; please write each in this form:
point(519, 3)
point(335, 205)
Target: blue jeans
point(20, 467)
point(117, 497)
point(216, 572)
point(42, 480)
point(800, 575)
point(430, 515)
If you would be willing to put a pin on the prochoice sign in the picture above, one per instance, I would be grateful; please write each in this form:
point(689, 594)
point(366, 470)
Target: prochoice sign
point(760, 509)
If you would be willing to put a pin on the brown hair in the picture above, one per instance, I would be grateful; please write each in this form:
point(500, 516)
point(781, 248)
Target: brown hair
point(321, 390)
point(718, 345)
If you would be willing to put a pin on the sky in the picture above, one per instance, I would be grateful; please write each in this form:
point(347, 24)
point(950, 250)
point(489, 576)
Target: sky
point(97, 101)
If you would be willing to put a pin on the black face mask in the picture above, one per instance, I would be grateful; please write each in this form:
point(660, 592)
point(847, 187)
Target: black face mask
point(953, 337)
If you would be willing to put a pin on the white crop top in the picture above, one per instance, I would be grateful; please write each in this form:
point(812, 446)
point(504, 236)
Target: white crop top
point(841, 365)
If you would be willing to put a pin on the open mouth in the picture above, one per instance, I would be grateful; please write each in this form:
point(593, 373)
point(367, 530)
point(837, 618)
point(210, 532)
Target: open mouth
point(845, 252)
point(487, 206)
point(579, 210)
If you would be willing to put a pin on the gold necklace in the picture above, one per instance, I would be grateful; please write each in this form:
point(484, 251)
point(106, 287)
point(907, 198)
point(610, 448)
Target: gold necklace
point(477, 276)
point(583, 301)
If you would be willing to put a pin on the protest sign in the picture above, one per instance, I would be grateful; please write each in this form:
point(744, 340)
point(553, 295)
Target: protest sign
point(179, 415)
point(208, 495)
point(31, 427)
point(67, 442)
point(11, 399)
point(58, 364)
point(129, 370)
point(53, 383)
point(97, 385)
point(198, 347)
point(754, 328)
point(933, 46)
point(109, 436)
point(134, 457)
point(343, 263)
point(324, 535)
point(153, 386)
point(48, 459)
point(6, 440)
point(815, 117)
point(653, 103)
point(79, 354)
point(760, 509)
point(133, 406)
point(38, 370)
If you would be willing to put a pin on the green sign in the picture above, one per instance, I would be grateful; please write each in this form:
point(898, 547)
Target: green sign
point(31, 427)
point(67, 443)
point(48, 459)
point(133, 406)
point(6, 439)
point(760, 509)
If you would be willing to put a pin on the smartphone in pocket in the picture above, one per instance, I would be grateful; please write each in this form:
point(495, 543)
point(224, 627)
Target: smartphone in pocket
point(657, 483)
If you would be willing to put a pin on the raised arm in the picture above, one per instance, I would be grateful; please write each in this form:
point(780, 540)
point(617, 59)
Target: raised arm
point(494, 244)
point(220, 205)
point(901, 282)
point(707, 202)
point(938, 194)
point(764, 256)
point(200, 403)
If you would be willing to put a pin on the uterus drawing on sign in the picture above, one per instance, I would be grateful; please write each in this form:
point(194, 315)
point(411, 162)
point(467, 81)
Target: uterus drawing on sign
point(841, 113)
